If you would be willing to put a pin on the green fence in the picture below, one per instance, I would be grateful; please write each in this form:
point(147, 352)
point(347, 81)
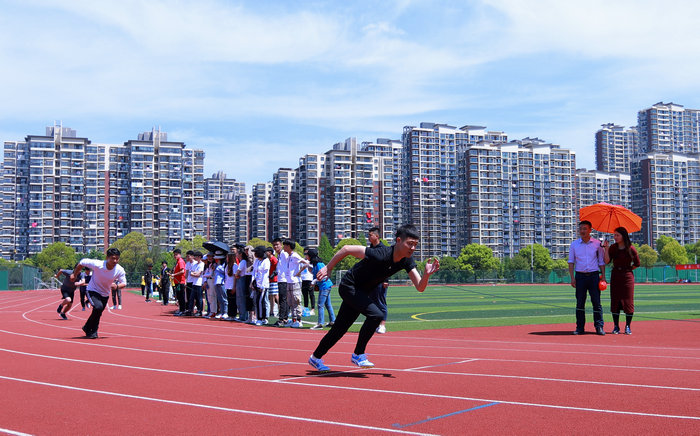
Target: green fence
point(19, 277)
point(657, 274)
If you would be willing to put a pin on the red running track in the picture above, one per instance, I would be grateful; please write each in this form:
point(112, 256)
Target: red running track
point(152, 373)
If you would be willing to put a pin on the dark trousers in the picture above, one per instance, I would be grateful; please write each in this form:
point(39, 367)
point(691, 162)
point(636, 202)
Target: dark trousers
point(116, 297)
point(83, 296)
point(283, 311)
point(165, 292)
point(195, 299)
point(149, 290)
point(232, 308)
point(379, 298)
point(180, 295)
point(587, 284)
point(308, 292)
point(99, 303)
point(355, 302)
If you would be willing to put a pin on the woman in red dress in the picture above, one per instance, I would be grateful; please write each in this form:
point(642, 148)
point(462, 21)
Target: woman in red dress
point(625, 259)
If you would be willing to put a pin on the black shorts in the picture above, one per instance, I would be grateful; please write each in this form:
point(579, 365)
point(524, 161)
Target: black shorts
point(68, 293)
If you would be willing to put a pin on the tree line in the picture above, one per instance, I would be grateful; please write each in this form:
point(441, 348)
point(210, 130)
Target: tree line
point(138, 252)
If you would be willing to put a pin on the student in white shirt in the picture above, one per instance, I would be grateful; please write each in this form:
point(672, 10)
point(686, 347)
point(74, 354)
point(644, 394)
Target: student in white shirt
point(230, 269)
point(241, 289)
point(283, 306)
point(261, 279)
point(293, 281)
point(194, 305)
point(307, 291)
point(106, 275)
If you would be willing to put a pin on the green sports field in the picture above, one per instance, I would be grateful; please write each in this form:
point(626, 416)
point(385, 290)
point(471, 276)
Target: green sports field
point(471, 306)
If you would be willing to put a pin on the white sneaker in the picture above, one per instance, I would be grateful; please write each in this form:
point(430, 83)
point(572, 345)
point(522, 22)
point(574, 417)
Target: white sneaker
point(114, 307)
point(317, 327)
point(312, 313)
point(119, 307)
point(204, 313)
point(381, 329)
point(218, 316)
point(224, 316)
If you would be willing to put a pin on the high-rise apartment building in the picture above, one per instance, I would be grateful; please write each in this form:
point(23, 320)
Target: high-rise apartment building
point(260, 224)
point(665, 173)
point(666, 194)
point(284, 204)
point(429, 186)
point(43, 192)
point(310, 210)
point(59, 187)
point(387, 167)
point(600, 186)
point(220, 194)
point(347, 191)
point(614, 148)
point(669, 128)
point(515, 194)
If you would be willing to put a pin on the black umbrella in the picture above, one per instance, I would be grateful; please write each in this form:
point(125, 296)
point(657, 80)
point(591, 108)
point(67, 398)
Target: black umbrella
point(213, 246)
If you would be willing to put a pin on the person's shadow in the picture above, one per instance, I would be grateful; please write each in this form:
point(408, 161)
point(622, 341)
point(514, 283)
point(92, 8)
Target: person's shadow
point(553, 333)
point(342, 374)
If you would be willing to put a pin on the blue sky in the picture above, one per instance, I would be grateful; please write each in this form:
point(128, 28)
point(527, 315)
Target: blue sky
point(257, 84)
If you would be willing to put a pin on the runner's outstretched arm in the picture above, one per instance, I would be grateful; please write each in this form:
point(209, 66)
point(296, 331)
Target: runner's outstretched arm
point(348, 250)
point(432, 266)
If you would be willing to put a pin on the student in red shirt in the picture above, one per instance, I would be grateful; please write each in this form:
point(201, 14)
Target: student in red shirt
point(179, 281)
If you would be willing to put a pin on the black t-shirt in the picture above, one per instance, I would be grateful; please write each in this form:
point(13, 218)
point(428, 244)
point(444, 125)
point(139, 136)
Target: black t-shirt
point(377, 266)
point(67, 284)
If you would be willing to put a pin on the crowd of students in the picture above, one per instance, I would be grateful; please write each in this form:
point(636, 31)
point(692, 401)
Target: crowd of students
point(251, 285)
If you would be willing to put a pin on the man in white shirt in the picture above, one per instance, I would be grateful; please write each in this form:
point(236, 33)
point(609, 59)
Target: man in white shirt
point(194, 305)
point(283, 308)
point(106, 276)
point(586, 259)
point(292, 265)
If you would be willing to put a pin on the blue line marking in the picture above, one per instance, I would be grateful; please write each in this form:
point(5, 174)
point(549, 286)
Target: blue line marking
point(444, 416)
point(236, 369)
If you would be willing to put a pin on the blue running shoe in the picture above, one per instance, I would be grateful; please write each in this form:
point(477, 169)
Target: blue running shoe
point(628, 331)
point(361, 361)
point(318, 364)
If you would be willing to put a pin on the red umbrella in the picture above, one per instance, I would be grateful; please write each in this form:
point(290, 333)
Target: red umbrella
point(606, 217)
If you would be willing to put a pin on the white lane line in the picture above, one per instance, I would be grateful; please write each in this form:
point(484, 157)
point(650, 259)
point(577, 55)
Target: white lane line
point(266, 414)
point(232, 345)
point(13, 432)
point(441, 364)
point(213, 356)
point(314, 340)
point(3, 306)
point(350, 388)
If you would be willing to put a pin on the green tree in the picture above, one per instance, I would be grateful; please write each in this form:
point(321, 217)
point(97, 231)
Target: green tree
point(362, 239)
point(647, 258)
point(448, 263)
point(560, 264)
point(257, 241)
point(541, 259)
point(693, 251)
point(134, 252)
point(477, 257)
point(195, 244)
point(674, 254)
point(662, 241)
point(54, 257)
point(349, 261)
point(325, 249)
